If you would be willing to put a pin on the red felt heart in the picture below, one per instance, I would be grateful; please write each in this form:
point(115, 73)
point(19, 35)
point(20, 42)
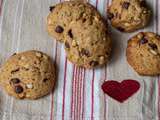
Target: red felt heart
point(120, 91)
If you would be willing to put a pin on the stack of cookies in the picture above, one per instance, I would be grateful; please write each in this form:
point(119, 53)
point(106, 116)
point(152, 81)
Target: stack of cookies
point(84, 33)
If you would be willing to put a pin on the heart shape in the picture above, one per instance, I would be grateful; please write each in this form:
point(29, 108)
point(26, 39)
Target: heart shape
point(120, 91)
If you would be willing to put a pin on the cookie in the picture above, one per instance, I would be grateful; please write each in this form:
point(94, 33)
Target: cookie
point(29, 74)
point(83, 32)
point(86, 46)
point(61, 15)
point(129, 15)
point(143, 53)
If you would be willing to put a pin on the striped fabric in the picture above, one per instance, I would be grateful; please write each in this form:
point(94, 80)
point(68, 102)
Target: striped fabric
point(78, 94)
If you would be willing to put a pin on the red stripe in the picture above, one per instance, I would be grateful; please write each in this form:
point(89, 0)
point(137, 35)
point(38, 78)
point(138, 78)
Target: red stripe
point(51, 115)
point(52, 101)
point(80, 103)
point(64, 87)
point(1, 1)
point(75, 99)
point(92, 96)
point(73, 79)
point(76, 96)
point(158, 76)
point(151, 90)
point(158, 99)
point(83, 102)
point(157, 27)
point(76, 109)
point(157, 12)
point(96, 4)
point(105, 76)
point(78, 93)
point(75, 91)
point(92, 92)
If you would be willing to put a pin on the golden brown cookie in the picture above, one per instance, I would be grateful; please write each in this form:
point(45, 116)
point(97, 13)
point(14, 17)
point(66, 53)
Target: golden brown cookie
point(129, 15)
point(84, 33)
point(29, 74)
point(86, 46)
point(143, 53)
point(62, 14)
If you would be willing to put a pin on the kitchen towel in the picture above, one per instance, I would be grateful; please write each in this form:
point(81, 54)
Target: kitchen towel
point(78, 94)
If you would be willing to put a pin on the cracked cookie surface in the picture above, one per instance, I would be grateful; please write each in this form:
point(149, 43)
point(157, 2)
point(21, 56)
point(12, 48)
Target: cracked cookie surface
point(29, 74)
point(143, 53)
point(83, 32)
point(129, 15)
point(86, 50)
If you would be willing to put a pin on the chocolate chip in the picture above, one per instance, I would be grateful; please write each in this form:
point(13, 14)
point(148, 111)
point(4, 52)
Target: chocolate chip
point(45, 79)
point(18, 89)
point(126, 5)
point(14, 71)
point(26, 69)
point(153, 46)
point(94, 63)
point(83, 20)
point(85, 52)
point(70, 33)
point(67, 45)
point(143, 41)
point(107, 53)
point(59, 29)
point(14, 81)
point(51, 8)
point(143, 4)
point(121, 29)
point(110, 16)
point(14, 54)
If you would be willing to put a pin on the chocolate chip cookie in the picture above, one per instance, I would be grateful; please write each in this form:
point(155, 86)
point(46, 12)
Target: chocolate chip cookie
point(143, 53)
point(86, 46)
point(29, 74)
point(129, 15)
point(62, 14)
point(83, 32)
